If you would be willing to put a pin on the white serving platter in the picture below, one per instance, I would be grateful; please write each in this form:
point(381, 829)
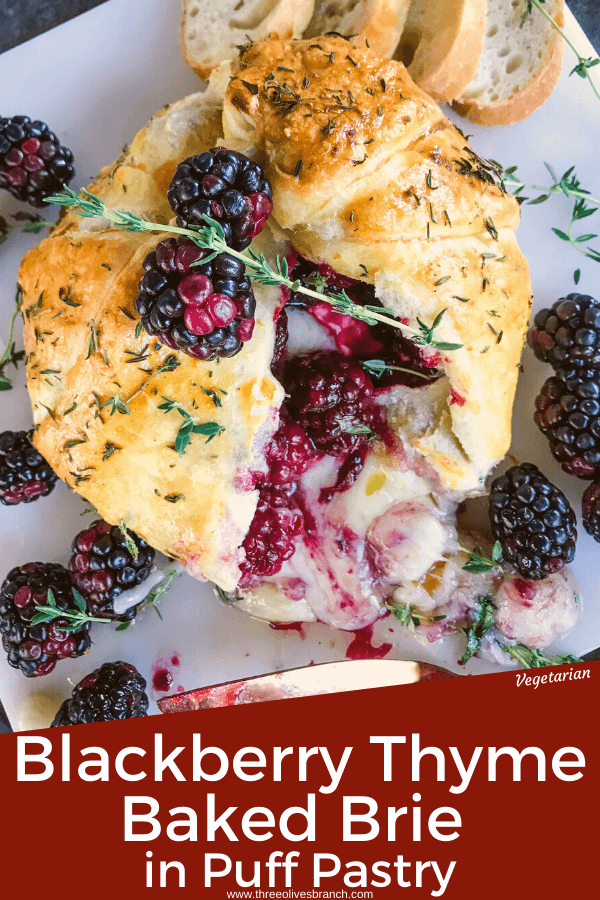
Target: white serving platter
point(96, 80)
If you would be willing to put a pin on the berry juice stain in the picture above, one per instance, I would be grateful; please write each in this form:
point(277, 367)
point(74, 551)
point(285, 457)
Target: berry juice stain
point(161, 680)
point(163, 674)
point(361, 646)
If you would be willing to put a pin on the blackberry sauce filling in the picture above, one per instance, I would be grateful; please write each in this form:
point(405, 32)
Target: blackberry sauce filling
point(331, 410)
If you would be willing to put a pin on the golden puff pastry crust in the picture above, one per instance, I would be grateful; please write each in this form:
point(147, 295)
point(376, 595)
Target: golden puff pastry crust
point(79, 288)
point(370, 177)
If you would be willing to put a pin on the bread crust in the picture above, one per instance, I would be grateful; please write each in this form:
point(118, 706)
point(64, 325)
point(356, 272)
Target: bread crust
point(380, 22)
point(79, 288)
point(523, 103)
point(286, 20)
point(429, 233)
point(448, 54)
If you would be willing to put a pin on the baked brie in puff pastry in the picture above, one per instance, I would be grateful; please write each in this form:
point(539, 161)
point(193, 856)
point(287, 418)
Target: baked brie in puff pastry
point(374, 192)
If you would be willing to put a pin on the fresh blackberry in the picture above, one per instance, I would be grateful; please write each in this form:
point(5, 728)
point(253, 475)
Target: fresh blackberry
point(568, 413)
point(332, 398)
point(568, 334)
point(33, 164)
point(114, 691)
point(228, 187)
point(533, 521)
point(24, 473)
point(206, 310)
point(103, 567)
point(590, 508)
point(35, 649)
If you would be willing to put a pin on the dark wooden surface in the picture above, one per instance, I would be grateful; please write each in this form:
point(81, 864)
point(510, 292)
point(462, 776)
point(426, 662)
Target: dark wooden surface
point(23, 19)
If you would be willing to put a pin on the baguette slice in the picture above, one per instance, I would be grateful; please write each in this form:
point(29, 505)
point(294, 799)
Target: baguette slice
point(442, 44)
point(212, 32)
point(381, 22)
point(520, 65)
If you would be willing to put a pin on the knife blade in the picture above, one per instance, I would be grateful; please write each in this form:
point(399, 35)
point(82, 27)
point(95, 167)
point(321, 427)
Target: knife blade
point(325, 678)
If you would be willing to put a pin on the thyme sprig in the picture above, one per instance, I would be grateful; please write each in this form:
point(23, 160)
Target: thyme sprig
point(408, 615)
point(483, 624)
point(379, 367)
point(75, 620)
point(535, 659)
point(584, 64)
point(569, 186)
point(478, 562)
point(117, 405)
point(190, 426)
point(212, 238)
point(152, 599)
point(11, 355)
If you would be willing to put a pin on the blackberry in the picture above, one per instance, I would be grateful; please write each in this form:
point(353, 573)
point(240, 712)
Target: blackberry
point(33, 164)
point(228, 187)
point(114, 691)
point(590, 508)
point(24, 473)
point(533, 521)
point(568, 413)
point(102, 567)
point(289, 454)
point(206, 310)
point(35, 649)
point(332, 398)
point(568, 334)
point(277, 521)
point(272, 535)
point(281, 339)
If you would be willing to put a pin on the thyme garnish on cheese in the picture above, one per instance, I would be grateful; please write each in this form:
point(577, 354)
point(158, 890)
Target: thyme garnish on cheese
point(211, 237)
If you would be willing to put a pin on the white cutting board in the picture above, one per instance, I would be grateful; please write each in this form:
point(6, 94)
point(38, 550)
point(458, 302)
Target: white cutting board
point(96, 80)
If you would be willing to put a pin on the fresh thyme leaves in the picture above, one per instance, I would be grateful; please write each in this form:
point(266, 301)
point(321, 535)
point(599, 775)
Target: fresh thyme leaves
point(117, 405)
point(408, 615)
point(122, 406)
point(129, 542)
point(483, 624)
point(478, 562)
point(190, 426)
point(569, 186)
point(379, 367)
point(10, 354)
point(584, 64)
point(535, 659)
point(211, 237)
point(152, 599)
point(75, 620)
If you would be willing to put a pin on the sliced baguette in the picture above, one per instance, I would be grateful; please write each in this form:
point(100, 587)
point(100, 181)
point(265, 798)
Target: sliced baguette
point(211, 32)
point(381, 22)
point(442, 43)
point(519, 67)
